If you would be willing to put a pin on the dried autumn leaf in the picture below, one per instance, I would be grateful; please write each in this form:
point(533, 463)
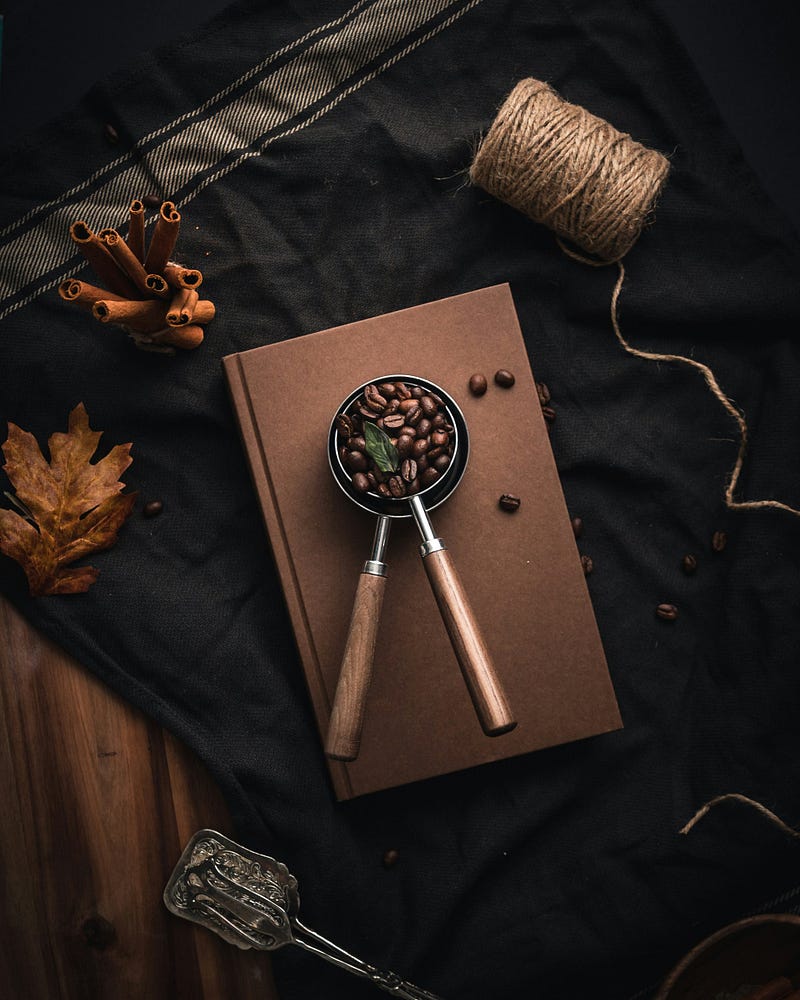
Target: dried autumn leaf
point(77, 506)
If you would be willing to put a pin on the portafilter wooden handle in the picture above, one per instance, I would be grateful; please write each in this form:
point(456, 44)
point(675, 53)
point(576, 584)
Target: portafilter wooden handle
point(486, 691)
point(349, 705)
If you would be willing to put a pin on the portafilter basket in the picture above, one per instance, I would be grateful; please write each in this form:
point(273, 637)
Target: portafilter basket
point(489, 699)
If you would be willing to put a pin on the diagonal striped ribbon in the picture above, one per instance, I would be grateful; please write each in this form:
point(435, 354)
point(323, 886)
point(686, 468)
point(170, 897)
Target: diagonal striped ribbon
point(283, 94)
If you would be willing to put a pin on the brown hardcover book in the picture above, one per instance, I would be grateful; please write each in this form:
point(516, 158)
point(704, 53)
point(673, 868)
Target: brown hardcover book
point(521, 570)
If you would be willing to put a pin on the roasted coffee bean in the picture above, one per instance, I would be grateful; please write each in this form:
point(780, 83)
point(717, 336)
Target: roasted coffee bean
point(408, 431)
point(366, 413)
point(478, 384)
point(356, 461)
point(434, 453)
point(412, 487)
point(587, 565)
point(372, 480)
point(414, 415)
point(504, 378)
point(407, 404)
point(689, 565)
point(440, 439)
point(357, 443)
point(419, 448)
point(718, 541)
point(667, 612)
point(441, 462)
point(373, 398)
point(429, 407)
point(402, 390)
point(422, 464)
point(111, 134)
point(417, 391)
point(438, 421)
point(397, 487)
point(408, 470)
point(393, 422)
point(391, 407)
point(390, 858)
point(437, 399)
point(428, 478)
point(424, 428)
point(577, 527)
point(151, 201)
point(344, 425)
point(543, 393)
point(361, 482)
point(404, 444)
point(448, 427)
point(509, 502)
point(387, 389)
point(549, 414)
point(152, 508)
point(383, 490)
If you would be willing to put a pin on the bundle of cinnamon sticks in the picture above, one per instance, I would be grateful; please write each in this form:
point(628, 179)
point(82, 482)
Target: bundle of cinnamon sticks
point(146, 293)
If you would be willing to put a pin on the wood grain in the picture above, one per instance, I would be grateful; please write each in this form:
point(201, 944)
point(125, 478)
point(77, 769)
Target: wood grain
point(486, 691)
point(97, 804)
point(350, 702)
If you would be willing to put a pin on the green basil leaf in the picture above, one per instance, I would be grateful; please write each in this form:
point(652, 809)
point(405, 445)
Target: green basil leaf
point(380, 448)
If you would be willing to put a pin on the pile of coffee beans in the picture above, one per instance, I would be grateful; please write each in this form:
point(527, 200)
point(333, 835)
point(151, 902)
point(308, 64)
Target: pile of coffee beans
point(421, 438)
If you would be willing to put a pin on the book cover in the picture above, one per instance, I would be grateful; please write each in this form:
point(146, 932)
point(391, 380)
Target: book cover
point(521, 569)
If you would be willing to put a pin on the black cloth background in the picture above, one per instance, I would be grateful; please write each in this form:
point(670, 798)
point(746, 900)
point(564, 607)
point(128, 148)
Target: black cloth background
point(555, 874)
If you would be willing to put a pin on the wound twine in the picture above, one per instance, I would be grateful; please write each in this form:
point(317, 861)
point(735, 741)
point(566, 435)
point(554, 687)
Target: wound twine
point(594, 187)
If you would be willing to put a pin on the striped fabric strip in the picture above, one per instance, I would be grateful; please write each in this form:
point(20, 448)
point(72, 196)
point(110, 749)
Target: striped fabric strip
point(334, 61)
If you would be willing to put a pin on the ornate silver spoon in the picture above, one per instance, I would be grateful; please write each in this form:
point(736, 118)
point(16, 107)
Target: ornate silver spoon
point(251, 900)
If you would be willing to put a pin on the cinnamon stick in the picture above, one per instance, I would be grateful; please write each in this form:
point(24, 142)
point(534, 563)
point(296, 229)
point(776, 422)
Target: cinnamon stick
point(186, 337)
point(125, 258)
point(181, 308)
point(157, 286)
point(136, 229)
point(146, 317)
point(182, 277)
point(102, 262)
point(165, 236)
point(74, 290)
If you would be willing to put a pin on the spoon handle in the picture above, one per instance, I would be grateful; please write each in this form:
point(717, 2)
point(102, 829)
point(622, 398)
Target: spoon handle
point(343, 740)
point(485, 689)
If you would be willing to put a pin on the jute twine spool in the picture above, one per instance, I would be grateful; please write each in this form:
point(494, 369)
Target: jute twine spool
point(594, 187)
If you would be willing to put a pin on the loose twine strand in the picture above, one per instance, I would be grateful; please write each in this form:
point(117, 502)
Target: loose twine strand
point(595, 188)
point(738, 797)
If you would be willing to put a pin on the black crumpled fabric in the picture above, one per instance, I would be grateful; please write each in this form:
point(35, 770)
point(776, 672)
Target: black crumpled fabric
point(557, 874)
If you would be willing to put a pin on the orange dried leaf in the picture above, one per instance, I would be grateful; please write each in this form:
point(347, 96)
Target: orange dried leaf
point(77, 506)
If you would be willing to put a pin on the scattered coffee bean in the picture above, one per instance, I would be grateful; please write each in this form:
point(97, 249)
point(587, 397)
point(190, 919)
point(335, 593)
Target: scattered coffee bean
point(387, 389)
point(689, 564)
point(404, 444)
point(504, 378)
point(424, 428)
point(441, 462)
point(397, 487)
point(344, 425)
point(667, 612)
point(393, 422)
point(543, 392)
point(718, 541)
point(577, 527)
point(373, 399)
point(362, 483)
point(152, 508)
point(152, 201)
point(549, 414)
point(390, 858)
point(111, 134)
point(419, 447)
point(356, 461)
point(428, 478)
point(429, 407)
point(509, 502)
point(587, 564)
point(478, 384)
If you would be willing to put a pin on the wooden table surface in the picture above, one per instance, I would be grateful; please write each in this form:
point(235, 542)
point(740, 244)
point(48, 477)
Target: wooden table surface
point(97, 804)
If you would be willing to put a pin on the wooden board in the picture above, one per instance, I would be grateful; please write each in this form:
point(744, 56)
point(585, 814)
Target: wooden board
point(97, 803)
